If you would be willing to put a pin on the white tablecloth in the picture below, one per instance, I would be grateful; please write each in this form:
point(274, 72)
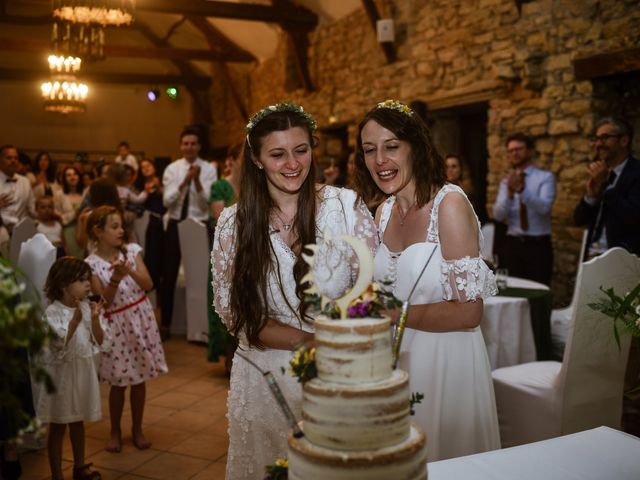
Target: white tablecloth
point(598, 454)
point(506, 327)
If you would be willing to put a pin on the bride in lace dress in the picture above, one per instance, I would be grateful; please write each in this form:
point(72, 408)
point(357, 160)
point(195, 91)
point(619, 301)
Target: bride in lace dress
point(257, 267)
point(443, 349)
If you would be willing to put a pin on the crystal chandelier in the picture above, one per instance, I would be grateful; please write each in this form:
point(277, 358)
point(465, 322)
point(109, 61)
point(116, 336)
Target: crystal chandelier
point(103, 12)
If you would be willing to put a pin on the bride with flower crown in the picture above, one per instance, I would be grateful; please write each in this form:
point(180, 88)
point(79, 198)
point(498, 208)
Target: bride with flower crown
point(257, 269)
point(426, 219)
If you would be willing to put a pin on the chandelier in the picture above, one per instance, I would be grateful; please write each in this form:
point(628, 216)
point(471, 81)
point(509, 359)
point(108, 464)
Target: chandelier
point(78, 40)
point(64, 95)
point(103, 12)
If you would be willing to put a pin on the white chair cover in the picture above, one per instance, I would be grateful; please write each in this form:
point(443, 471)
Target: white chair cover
point(36, 257)
point(140, 225)
point(560, 317)
point(23, 231)
point(194, 245)
point(541, 400)
point(488, 232)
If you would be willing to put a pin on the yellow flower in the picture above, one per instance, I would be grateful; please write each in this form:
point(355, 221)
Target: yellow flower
point(282, 462)
point(22, 310)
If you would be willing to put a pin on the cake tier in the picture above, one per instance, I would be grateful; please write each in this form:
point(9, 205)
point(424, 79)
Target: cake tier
point(357, 417)
point(354, 350)
point(404, 461)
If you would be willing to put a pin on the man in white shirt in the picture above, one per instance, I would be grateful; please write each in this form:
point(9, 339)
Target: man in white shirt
point(524, 203)
point(125, 156)
point(187, 184)
point(16, 196)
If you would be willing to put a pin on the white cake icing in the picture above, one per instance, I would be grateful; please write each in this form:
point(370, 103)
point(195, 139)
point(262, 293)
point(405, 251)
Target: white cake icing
point(356, 412)
point(357, 417)
point(403, 461)
point(353, 351)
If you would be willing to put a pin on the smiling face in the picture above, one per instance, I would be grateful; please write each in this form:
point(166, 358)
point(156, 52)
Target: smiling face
point(387, 158)
point(9, 161)
point(71, 177)
point(190, 147)
point(112, 234)
point(519, 154)
point(286, 158)
point(147, 168)
point(614, 149)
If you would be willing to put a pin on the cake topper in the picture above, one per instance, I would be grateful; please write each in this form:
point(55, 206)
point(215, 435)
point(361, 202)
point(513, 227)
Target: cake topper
point(365, 272)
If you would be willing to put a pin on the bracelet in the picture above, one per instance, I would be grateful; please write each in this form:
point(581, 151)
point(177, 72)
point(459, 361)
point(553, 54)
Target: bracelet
point(114, 283)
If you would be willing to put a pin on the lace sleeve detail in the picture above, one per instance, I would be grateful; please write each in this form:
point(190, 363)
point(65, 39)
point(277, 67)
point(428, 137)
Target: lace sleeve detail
point(467, 279)
point(365, 227)
point(222, 255)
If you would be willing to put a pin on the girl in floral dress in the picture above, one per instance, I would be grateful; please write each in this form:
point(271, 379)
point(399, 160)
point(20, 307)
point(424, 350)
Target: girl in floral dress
point(120, 276)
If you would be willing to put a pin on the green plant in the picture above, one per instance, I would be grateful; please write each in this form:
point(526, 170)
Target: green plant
point(624, 309)
point(23, 335)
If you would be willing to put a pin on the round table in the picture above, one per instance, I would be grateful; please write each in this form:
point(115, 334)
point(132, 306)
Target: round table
point(506, 327)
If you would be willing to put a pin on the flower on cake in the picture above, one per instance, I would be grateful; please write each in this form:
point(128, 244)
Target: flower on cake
point(303, 364)
point(278, 470)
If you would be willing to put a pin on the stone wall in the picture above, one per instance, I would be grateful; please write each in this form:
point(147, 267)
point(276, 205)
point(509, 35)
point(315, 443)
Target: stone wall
point(454, 53)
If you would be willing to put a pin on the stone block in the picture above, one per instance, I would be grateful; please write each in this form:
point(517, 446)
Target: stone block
point(575, 107)
point(555, 62)
point(560, 127)
point(531, 120)
point(536, 39)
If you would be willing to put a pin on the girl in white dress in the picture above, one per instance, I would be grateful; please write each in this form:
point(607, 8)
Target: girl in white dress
point(257, 267)
point(71, 361)
point(443, 348)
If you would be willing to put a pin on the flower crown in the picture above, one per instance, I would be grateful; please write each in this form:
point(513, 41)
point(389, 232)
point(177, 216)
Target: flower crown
point(280, 107)
point(395, 105)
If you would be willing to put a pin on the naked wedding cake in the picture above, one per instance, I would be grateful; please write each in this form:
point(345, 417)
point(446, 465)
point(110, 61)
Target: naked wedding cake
point(356, 411)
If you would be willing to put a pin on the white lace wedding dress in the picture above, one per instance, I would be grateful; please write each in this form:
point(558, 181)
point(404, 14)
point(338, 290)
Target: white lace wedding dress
point(451, 369)
point(257, 427)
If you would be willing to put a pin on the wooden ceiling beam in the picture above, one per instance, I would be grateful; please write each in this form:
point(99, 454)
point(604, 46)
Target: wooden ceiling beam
point(605, 64)
point(298, 43)
point(374, 16)
point(216, 40)
point(167, 53)
point(300, 17)
point(113, 78)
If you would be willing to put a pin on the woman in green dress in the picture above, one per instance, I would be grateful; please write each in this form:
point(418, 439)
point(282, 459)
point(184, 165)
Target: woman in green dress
point(224, 193)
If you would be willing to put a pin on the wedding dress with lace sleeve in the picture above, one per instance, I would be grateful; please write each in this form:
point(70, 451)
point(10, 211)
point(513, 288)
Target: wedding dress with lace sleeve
point(451, 369)
point(257, 427)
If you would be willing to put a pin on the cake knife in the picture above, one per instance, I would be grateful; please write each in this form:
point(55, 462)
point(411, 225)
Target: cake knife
point(402, 321)
point(277, 393)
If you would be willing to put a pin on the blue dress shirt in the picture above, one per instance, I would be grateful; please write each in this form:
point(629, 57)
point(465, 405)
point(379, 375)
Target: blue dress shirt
point(538, 195)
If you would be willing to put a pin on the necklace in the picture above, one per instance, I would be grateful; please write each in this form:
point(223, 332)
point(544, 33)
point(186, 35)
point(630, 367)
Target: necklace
point(286, 226)
point(402, 216)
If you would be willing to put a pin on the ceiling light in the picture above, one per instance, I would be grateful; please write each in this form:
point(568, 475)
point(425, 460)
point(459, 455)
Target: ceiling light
point(103, 12)
point(153, 94)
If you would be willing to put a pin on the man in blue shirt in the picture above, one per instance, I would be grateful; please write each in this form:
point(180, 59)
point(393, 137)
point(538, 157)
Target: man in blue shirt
point(524, 203)
point(611, 204)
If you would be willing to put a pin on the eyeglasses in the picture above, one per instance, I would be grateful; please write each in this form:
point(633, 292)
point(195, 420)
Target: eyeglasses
point(603, 138)
point(516, 150)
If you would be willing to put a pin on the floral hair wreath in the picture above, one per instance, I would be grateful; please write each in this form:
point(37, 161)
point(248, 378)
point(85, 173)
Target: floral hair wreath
point(280, 107)
point(395, 105)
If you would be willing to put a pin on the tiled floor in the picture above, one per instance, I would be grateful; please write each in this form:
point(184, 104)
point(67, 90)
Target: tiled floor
point(184, 419)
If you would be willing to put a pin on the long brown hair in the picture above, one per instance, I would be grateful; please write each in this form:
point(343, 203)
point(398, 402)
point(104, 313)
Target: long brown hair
point(255, 256)
point(427, 164)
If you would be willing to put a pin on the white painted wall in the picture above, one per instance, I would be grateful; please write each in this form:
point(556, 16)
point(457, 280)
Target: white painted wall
point(114, 113)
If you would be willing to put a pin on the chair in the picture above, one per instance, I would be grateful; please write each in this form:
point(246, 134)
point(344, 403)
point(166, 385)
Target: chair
point(36, 257)
point(23, 231)
point(140, 225)
point(194, 245)
point(488, 232)
point(560, 317)
point(542, 400)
